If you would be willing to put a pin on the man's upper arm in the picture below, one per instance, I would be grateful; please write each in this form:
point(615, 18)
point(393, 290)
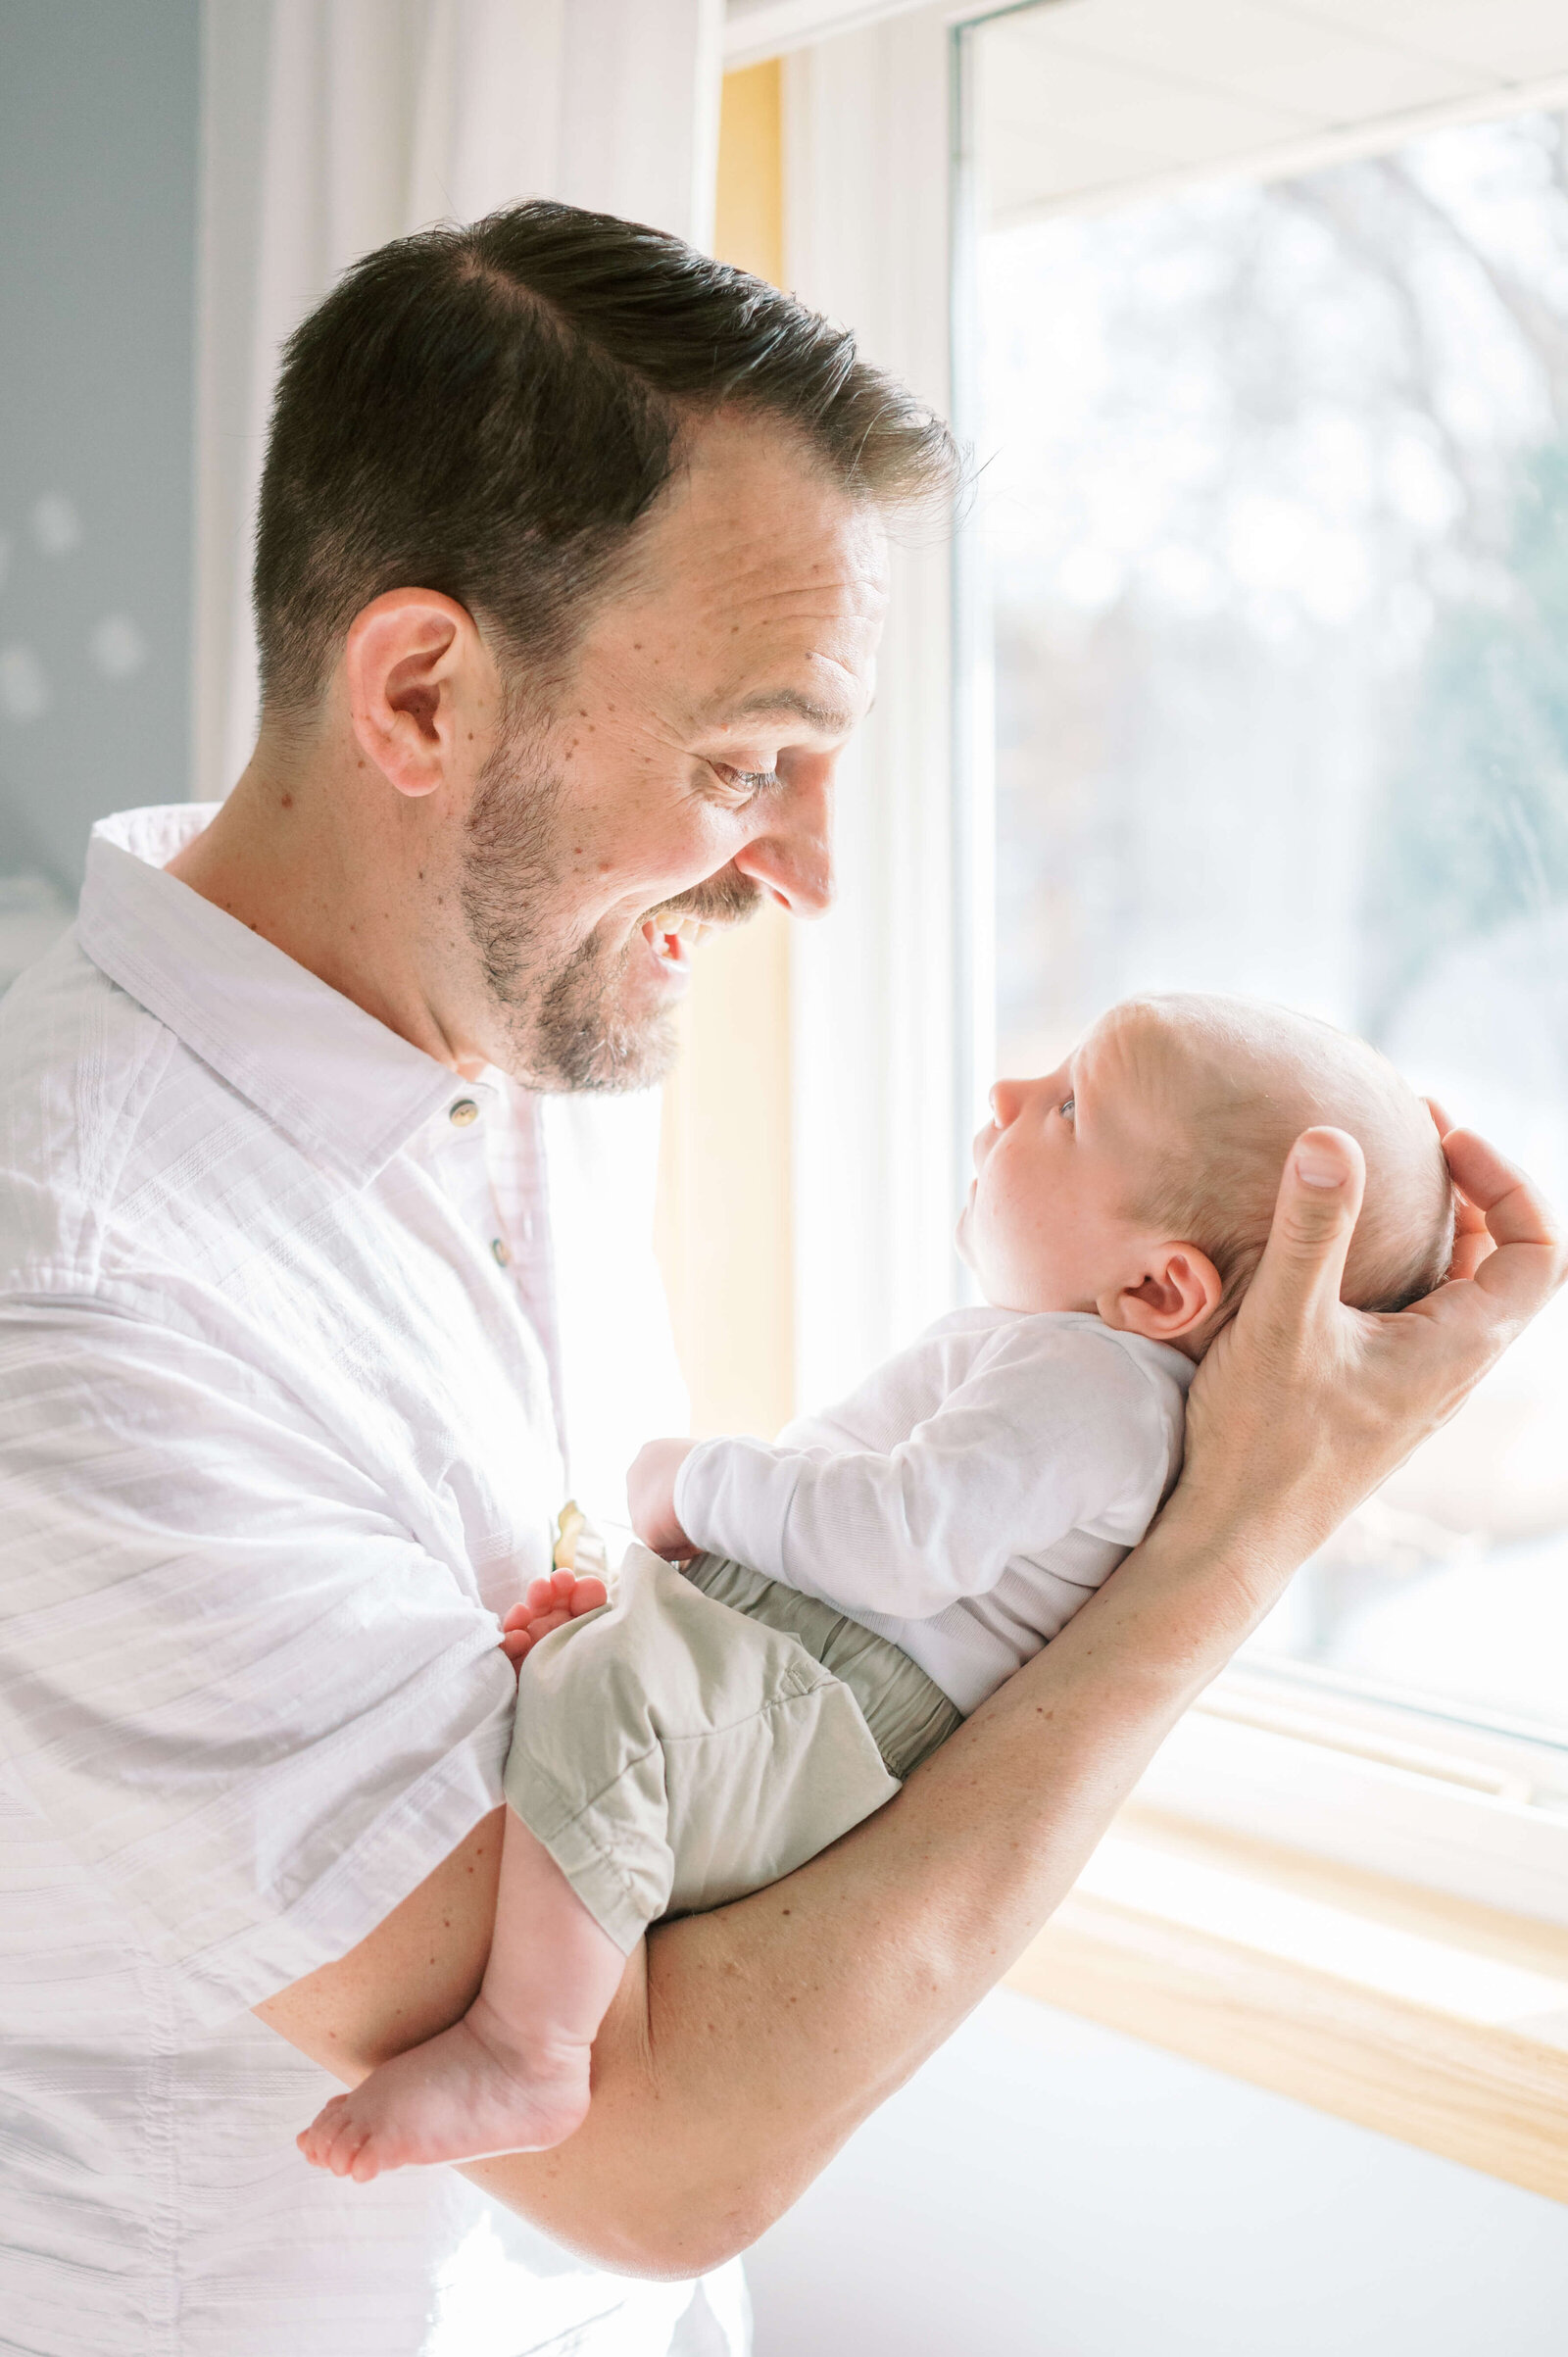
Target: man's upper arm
point(255, 1707)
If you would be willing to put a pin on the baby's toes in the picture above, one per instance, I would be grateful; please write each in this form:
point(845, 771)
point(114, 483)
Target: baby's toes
point(316, 2140)
point(347, 2145)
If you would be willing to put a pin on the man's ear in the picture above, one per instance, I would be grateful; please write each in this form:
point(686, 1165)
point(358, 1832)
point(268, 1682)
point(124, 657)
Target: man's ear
point(415, 668)
point(1179, 1292)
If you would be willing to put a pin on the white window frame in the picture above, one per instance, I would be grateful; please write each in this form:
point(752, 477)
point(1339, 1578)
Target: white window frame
point(877, 182)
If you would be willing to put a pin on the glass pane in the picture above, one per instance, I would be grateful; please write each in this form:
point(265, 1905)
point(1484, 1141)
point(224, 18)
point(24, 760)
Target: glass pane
point(1274, 566)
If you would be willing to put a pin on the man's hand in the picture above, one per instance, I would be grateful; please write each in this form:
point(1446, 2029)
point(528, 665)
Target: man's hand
point(1304, 1405)
point(548, 1604)
point(650, 1496)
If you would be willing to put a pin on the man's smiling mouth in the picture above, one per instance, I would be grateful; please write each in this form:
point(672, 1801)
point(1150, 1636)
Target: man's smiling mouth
point(673, 944)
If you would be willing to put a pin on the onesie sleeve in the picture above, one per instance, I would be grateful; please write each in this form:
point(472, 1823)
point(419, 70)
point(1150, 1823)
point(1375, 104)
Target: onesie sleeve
point(1053, 1427)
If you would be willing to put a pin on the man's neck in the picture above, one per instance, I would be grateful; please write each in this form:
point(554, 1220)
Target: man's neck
point(343, 877)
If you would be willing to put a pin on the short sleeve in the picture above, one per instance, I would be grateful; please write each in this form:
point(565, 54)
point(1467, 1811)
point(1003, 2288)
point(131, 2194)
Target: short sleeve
point(256, 1709)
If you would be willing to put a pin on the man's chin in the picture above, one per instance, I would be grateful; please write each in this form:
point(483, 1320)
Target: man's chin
point(605, 1060)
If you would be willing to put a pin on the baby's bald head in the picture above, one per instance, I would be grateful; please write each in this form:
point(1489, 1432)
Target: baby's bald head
point(1227, 1086)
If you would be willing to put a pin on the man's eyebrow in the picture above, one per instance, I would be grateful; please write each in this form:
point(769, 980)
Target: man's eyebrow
point(830, 719)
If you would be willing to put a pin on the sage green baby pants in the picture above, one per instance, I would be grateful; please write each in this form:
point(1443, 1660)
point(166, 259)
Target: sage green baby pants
point(704, 1733)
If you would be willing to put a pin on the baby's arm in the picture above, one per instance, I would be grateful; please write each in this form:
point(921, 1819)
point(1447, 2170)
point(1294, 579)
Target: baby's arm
point(1050, 1431)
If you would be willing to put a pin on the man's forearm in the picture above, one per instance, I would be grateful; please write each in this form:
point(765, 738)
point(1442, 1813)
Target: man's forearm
point(750, 2042)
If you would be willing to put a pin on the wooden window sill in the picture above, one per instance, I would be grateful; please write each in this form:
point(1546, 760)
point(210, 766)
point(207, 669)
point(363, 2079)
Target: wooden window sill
point(1431, 2019)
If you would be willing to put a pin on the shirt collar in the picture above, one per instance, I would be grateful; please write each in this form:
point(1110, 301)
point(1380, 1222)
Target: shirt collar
point(342, 1086)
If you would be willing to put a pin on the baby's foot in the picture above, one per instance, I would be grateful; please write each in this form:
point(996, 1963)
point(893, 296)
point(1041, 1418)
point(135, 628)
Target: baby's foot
point(550, 1602)
point(460, 2096)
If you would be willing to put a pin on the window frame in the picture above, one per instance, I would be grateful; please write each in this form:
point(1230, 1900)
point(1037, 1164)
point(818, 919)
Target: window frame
point(879, 178)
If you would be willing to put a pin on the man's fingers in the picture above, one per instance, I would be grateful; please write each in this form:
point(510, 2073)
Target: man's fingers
point(1314, 1219)
point(1527, 1268)
point(1514, 1211)
point(1472, 1243)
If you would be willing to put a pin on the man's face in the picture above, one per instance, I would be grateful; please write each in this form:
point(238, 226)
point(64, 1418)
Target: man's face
point(685, 769)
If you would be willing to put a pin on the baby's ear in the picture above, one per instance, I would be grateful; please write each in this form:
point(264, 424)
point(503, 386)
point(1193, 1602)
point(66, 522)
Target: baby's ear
point(1178, 1293)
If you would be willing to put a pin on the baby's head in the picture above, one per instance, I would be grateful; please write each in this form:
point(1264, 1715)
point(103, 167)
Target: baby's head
point(1138, 1180)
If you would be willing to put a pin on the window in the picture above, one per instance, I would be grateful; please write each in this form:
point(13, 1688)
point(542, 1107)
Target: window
point(1247, 475)
point(1273, 552)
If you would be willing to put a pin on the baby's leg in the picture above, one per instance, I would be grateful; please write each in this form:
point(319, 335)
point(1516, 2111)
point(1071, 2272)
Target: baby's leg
point(513, 2074)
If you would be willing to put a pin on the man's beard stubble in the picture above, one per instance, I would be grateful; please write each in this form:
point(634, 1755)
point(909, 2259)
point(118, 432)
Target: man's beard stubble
point(561, 1008)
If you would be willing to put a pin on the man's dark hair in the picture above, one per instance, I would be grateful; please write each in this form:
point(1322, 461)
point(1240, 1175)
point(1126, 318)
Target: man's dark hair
point(490, 411)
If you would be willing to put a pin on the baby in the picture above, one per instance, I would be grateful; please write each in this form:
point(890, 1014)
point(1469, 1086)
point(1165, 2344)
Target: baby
point(860, 1586)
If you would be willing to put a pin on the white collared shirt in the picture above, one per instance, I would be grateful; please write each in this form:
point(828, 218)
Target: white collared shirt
point(280, 1441)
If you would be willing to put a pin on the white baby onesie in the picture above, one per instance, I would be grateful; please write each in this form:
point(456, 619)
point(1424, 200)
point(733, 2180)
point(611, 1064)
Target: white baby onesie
point(968, 1497)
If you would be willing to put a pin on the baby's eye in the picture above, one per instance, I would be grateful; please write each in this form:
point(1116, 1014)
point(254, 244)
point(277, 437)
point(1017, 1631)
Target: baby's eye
point(1067, 1107)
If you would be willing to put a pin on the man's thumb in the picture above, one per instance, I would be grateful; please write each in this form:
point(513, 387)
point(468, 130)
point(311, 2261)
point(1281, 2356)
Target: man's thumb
point(1314, 1219)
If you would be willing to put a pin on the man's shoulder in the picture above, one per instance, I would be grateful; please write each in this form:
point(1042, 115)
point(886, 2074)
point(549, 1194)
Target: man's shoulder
point(80, 1069)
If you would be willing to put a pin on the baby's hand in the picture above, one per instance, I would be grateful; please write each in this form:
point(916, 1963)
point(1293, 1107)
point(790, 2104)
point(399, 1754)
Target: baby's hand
point(548, 1604)
point(651, 1493)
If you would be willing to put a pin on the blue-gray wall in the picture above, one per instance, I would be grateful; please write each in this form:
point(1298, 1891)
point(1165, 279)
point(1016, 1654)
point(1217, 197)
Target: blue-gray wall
point(99, 117)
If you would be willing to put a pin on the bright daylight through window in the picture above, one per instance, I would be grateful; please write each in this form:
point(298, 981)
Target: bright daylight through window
point(1273, 568)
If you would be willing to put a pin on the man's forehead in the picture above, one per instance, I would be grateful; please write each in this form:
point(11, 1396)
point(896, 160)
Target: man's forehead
point(753, 514)
point(830, 712)
point(756, 593)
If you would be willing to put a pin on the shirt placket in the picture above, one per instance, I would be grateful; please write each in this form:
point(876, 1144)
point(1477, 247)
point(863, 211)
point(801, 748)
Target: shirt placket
point(498, 1179)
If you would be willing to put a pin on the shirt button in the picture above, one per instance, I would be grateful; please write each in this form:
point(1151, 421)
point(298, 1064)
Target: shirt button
point(463, 1113)
point(501, 1252)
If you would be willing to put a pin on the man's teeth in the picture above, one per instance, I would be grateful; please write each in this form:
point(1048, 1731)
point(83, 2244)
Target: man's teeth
point(690, 929)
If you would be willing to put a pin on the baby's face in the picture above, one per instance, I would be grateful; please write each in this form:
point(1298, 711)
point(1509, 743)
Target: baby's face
point(1182, 1111)
point(1047, 1224)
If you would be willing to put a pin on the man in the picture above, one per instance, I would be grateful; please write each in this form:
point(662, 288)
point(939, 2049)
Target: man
point(569, 576)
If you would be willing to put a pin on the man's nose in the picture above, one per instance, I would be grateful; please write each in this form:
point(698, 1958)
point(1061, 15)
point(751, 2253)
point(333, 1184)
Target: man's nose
point(1006, 1099)
point(793, 859)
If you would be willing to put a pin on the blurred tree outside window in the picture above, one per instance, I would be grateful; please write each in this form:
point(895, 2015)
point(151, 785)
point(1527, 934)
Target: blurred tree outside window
point(1275, 559)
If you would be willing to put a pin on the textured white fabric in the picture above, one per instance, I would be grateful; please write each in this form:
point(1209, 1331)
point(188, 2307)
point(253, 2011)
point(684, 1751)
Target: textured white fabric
point(277, 1447)
point(968, 1496)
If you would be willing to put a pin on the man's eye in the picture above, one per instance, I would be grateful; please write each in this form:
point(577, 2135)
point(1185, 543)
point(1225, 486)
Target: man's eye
point(1067, 1107)
point(744, 781)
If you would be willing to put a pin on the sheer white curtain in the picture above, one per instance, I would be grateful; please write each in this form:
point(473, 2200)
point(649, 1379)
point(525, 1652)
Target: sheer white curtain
point(330, 126)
